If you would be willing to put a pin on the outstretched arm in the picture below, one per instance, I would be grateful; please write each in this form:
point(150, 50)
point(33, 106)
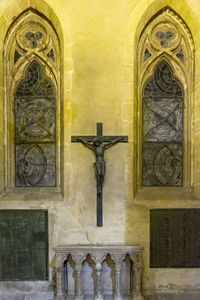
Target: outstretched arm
point(113, 142)
point(87, 144)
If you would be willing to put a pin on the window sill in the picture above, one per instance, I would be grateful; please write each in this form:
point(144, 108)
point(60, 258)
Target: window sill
point(32, 194)
point(166, 193)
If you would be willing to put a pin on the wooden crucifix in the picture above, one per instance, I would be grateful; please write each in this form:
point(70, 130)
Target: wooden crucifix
point(98, 144)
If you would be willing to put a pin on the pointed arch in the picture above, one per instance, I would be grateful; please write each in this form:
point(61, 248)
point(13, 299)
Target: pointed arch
point(32, 100)
point(165, 81)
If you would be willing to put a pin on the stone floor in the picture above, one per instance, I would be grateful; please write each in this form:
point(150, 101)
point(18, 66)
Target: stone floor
point(178, 296)
point(41, 296)
point(49, 296)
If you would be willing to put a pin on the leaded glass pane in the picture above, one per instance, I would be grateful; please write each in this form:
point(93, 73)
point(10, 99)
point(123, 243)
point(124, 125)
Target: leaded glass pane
point(51, 55)
point(147, 54)
point(162, 129)
point(35, 129)
point(33, 37)
point(180, 56)
point(17, 56)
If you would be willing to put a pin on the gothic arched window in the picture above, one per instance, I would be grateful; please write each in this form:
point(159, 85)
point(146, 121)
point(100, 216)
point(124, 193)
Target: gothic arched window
point(165, 81)
point(35, 129)
point(163, 118)
point(32, 93)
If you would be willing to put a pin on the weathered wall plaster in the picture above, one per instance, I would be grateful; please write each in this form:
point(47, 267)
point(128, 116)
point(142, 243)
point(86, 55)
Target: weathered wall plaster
point(98, 45)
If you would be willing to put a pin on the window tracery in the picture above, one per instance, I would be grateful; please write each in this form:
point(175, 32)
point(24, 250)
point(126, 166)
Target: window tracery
point(162, 128)
point(35, 129)
point(32, 93)
point(165, 79)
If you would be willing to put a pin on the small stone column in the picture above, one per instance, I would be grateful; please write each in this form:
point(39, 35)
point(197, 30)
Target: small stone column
point(98, 294)
point(117, 295)
point(60, 294)
point(137, 278)
point(79, 286)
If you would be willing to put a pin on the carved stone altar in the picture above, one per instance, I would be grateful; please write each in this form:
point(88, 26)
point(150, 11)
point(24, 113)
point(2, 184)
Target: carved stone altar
point(98, 272)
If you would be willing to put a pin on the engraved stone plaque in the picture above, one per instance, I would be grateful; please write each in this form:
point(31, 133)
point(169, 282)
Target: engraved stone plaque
point(175, 238)
point(24, 244)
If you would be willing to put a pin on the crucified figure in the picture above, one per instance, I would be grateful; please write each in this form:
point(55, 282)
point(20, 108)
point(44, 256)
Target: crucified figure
point(98, 147)
point(98, 144)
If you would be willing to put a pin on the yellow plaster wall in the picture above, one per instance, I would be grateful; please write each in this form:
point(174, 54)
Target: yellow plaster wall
point(98, 45)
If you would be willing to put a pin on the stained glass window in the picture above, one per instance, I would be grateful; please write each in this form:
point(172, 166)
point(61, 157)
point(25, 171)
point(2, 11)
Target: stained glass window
point(162, 153)
point(35, 129)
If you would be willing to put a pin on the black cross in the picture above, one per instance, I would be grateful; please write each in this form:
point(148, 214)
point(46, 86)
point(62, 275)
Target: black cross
point(99, 144)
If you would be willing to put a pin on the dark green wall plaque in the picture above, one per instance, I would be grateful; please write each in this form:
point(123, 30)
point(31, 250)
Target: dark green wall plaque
point(23, 244)
point(175, 238)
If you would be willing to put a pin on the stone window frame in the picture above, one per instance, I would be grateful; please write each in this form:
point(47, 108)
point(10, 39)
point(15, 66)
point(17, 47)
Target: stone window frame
point(14, 72)
point(182, 71)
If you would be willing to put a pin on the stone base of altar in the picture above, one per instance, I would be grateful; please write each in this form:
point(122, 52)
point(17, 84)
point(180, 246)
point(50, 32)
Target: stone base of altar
point(98, 272)
point(50, 296)
point(94, 298)
point(27, 296)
